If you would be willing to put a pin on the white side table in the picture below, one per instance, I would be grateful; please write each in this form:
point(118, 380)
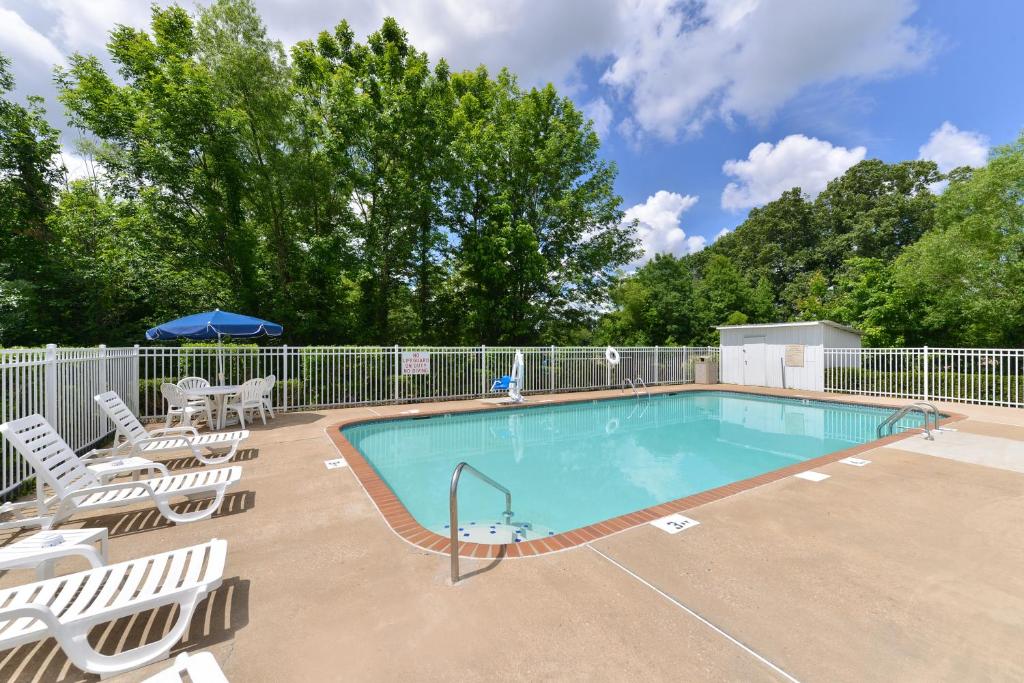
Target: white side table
point(40, 552)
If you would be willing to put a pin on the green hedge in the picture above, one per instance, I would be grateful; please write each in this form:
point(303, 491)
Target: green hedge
point(954, 386)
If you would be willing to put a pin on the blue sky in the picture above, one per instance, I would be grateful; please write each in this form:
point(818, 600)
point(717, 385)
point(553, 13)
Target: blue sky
point(708, 107)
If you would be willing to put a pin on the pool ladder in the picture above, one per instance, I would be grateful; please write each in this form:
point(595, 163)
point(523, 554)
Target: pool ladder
point(632, 385)
point(922, 407)
point(453, 509)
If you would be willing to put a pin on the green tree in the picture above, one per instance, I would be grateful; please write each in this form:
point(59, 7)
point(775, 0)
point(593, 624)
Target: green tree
point(539, 226)
point(963, 282)
point(654, 305)
point(30, 176)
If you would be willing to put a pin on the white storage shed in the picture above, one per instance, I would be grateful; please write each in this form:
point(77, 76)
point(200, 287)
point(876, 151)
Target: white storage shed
point(787, 355)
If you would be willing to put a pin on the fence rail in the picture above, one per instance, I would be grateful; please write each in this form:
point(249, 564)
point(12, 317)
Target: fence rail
point(981, 376)
point(59, 383)
point(314, 377)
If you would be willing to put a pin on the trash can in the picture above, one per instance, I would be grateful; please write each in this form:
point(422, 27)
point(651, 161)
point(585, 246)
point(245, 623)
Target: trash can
point(705, 371)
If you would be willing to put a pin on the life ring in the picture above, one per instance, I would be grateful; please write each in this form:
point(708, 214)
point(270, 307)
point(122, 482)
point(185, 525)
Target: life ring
point(611, 355)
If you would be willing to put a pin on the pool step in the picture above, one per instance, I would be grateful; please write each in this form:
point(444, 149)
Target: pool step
point(496, 532)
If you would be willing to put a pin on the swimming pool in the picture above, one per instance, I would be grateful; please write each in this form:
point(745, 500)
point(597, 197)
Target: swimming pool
point(571, 465)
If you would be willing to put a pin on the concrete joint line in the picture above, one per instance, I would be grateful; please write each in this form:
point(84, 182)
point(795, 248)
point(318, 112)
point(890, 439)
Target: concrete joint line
point(700, 618)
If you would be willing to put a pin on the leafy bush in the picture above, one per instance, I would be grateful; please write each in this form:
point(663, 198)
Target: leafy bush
point(954, 386)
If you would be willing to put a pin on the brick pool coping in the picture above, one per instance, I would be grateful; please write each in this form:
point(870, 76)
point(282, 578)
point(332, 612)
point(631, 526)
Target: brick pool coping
point(403, 523)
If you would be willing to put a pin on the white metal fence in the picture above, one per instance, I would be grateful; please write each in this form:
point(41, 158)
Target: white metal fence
point(312, 377)
point(983, 376)
point(59, 383)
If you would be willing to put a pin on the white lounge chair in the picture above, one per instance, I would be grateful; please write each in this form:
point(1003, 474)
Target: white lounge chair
point(68, 607)
point(76, 487)
point(200, 668)
point(221, 446)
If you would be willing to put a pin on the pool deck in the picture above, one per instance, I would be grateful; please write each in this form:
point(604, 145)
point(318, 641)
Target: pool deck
point(906, 569)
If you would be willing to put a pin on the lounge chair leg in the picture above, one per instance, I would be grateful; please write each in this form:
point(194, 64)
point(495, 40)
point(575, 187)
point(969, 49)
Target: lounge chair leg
point(165, 508)
point(76, 645)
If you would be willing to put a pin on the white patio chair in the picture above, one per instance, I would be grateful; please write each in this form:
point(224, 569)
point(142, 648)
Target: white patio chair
point(78, 488)
point(189, 384)
point(135, 440)
point(68, 607)
point(177, 405)
point(268, 397)
point(199, 668)
point(249, 397)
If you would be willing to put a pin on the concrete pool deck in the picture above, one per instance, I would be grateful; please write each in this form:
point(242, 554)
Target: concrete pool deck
point(908, 568)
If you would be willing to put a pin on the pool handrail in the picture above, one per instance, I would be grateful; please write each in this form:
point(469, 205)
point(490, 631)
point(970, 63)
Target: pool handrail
point(453, 509)
point(934, 411)
point(891, 421)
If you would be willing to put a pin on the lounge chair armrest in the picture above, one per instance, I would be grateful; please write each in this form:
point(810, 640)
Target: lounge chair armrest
point(167, 431)
point(116, 486)
point(138, 448)
point(99, 455)
point(33, 611)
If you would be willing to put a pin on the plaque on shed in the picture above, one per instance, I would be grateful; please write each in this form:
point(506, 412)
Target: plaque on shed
point(794, 355)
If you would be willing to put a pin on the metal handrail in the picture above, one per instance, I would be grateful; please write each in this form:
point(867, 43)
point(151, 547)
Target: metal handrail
point(631, 386)
point(453, 509)
point(934, 411)
point(899, 414)
point(644, 385)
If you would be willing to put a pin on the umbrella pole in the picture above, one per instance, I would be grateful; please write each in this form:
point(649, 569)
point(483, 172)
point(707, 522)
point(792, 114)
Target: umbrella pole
point(220, 361)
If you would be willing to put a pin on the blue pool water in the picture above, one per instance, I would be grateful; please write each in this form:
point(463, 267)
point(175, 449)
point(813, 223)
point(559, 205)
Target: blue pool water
point(576, 464)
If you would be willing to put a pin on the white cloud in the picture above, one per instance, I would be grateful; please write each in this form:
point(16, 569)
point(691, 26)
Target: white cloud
point(683, 64)
point(21, 40)
point(85, 25)
point(658, 225)
point(601, 114)
point(950, 147)
point(795, 161)
point(678, 64)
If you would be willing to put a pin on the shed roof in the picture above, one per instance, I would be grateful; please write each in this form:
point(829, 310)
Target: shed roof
point(802, 323)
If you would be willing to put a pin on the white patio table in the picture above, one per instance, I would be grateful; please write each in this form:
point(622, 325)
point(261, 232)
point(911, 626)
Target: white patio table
point(41, 550)
point(220, 396)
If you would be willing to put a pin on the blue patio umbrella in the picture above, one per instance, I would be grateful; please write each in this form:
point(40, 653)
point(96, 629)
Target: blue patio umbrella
point(214, 324)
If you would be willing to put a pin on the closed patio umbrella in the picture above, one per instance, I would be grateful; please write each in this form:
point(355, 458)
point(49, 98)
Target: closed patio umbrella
point(214, 324)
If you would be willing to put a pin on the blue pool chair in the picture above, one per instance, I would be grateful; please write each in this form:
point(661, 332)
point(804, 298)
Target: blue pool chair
point(502, 384)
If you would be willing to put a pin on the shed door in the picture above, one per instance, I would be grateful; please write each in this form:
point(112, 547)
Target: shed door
point(754, 358)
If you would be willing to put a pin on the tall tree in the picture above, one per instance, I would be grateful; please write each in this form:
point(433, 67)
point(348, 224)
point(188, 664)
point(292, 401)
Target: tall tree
point(30, 176)
point(539, 225)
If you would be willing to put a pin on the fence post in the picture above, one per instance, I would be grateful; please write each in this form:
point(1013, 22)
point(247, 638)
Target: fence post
point(656, 373)
point(103, 369)
point(397, 368)
point(50, 385)
point(924, 363)
point(100, 416)
point(136, 384)
point(552, 368)
point(483, 369)
point(284, 378)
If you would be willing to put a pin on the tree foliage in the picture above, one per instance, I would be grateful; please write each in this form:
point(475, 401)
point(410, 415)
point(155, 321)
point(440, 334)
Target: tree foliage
point(349, 190)
point(358, 192)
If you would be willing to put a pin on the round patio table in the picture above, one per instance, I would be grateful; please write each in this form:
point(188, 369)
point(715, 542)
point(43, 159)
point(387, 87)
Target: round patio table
point(219, 394)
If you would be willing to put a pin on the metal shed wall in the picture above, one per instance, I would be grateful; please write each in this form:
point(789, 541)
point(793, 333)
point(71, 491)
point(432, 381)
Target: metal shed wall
point(735, 358)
